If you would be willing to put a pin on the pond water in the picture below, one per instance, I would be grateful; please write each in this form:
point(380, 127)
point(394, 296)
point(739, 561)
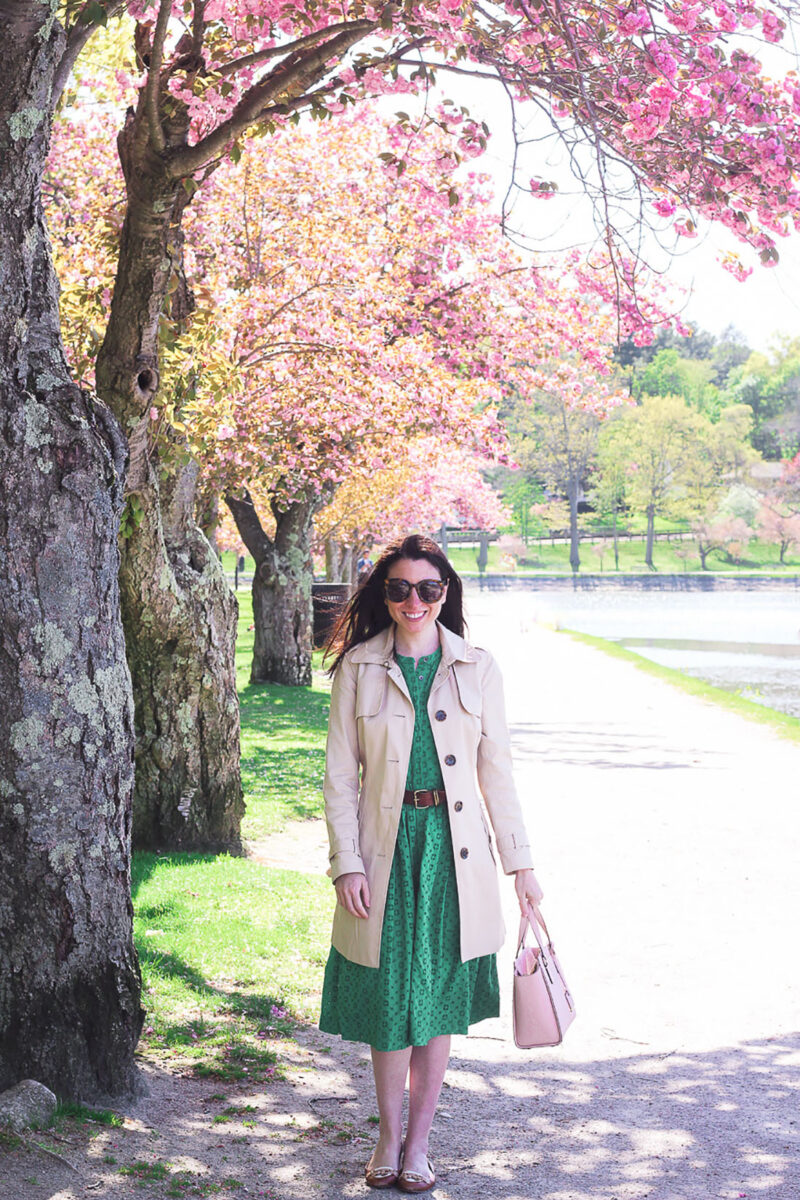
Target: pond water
point(747, 642)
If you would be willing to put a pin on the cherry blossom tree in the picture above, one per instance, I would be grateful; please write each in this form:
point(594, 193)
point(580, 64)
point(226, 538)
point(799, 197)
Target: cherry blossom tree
point(429, 483)
point(779, 514)
point(654, 91)
point(663, 91)
point(396, 314)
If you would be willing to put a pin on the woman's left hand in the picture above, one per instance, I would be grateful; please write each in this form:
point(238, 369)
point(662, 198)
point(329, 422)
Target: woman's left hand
point(527, 889)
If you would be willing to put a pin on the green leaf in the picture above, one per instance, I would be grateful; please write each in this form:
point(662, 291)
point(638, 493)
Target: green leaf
point(94, 14)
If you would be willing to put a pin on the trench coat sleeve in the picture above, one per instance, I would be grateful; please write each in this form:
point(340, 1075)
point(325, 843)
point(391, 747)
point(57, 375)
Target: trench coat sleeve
point(341, 783)
point(495, 775)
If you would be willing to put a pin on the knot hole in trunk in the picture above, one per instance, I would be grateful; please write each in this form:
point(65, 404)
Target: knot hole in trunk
point(147, 383)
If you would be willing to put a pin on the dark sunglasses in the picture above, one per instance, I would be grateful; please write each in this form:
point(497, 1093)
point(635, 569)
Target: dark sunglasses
point(428, 590)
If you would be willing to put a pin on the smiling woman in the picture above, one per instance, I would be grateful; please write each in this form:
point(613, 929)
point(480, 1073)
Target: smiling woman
point(416, 717)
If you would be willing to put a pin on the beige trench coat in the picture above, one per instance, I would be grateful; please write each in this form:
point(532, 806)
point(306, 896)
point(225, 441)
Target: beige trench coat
point(368, 750)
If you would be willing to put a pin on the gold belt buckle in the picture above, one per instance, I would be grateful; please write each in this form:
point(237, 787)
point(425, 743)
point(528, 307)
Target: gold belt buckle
point(417, 792)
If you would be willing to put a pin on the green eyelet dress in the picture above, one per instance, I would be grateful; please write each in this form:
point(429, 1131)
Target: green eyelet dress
point(422, 988)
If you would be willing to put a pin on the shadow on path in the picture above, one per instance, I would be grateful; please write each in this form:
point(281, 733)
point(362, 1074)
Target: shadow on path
point(674, 1126)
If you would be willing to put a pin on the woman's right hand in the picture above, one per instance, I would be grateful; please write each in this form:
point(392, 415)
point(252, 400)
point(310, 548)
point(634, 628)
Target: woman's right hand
point(352, 891)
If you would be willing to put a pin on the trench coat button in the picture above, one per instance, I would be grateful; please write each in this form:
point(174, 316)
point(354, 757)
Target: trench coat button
point(441, 715)
point(464, 852)
point(449, 759)
point(458, 805)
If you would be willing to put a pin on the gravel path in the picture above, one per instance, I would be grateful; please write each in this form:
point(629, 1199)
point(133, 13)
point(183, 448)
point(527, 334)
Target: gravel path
point(666, 837)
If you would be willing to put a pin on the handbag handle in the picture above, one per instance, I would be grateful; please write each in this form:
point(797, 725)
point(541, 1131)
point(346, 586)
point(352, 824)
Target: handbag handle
point(533, 919)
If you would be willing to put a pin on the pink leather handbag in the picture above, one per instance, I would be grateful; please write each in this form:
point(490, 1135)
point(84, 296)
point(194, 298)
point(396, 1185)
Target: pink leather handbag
point(542, 1004)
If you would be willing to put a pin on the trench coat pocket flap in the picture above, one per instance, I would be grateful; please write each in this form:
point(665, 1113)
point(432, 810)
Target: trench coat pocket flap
point(469, 692)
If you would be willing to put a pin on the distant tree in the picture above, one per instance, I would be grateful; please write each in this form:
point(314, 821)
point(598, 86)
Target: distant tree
point(779, 528)
point(558, 446)
point(769, 384)
point(779, 517)
point(729, 351)
point(687, 340)
point(720, 533)
point(653, 442)
point(670, 374)
point(609, 491)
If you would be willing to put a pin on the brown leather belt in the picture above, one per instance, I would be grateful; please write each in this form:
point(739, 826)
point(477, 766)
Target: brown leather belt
point(424, 799)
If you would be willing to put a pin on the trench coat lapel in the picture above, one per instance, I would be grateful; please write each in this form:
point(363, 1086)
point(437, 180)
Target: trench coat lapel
point(380, 649)
point(396, 675)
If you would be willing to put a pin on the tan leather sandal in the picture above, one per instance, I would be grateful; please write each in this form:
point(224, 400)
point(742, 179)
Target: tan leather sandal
point(415, 1181)
point(383, 1177)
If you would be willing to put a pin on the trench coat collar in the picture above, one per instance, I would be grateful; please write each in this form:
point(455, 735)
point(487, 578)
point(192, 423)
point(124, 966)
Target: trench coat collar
point(380, 648)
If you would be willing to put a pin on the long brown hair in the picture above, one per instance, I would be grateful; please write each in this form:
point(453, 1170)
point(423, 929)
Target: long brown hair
point(366, 613)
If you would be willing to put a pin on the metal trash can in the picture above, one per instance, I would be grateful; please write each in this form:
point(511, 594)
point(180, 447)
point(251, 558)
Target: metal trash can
point(328, 600)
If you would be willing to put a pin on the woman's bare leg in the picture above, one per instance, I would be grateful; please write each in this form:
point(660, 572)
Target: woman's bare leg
point(428, 1066)
point(390, 1068)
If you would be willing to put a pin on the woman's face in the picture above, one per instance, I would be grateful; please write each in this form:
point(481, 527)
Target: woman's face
point(412, 614)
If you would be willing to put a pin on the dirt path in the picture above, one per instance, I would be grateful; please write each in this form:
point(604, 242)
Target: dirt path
point(667, 836)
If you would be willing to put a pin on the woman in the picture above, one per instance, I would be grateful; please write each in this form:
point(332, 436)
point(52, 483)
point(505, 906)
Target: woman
point(416, 714)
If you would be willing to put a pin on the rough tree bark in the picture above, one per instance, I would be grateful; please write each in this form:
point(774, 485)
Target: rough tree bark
point(69, 980)
point(282, 611)
point(178, 611)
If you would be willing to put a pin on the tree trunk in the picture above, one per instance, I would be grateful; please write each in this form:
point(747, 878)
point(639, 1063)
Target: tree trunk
point(69, 980)
point(179, 614)
point(333, 560)
point(350, 565)
point(282, 611)
point(180, 619)
point(207, 511)
point(651, 533)
point(616, 541)
point(574, 534)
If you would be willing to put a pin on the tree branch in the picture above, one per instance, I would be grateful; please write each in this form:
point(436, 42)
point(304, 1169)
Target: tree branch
point(291, 76)
point(198, 27)
point(251, 531)
point(304, 43)
point(157, 138)
point(77, 37)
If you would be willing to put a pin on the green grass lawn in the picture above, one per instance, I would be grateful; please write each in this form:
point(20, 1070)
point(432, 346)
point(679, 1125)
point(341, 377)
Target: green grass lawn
point(231, 950)
point(668, 557)
point(283, 741)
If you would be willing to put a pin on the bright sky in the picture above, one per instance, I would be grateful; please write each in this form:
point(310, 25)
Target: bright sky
point(765, 304)
point(761, 307)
